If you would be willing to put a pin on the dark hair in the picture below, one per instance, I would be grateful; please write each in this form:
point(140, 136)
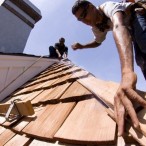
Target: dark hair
point(62, 39)
point(79, 4)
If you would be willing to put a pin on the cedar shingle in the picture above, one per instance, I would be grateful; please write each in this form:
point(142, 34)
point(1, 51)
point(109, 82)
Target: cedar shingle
point(88, 123)
point(18, 140)
point(49, 121)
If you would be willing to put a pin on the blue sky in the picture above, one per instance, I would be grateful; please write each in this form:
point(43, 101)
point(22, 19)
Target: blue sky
point(57, 21)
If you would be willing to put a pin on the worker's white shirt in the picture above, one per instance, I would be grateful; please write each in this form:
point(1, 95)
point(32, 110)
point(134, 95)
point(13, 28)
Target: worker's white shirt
point(109, 9)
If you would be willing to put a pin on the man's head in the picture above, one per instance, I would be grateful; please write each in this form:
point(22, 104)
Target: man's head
point(62, 40)
point(86, 12)
point(79, 4)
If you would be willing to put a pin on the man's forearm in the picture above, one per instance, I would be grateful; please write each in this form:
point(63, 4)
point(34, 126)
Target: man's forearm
point(59, 55)
point(92, 44)
point(124, 44)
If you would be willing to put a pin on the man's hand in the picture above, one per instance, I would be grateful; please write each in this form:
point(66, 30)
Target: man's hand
point(123, 101)
point(76, 46)
point(60, 57)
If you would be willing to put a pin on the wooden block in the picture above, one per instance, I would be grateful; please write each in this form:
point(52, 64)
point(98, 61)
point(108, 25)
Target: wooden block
point(25, 108)
point(88, 123)
point(49, 121)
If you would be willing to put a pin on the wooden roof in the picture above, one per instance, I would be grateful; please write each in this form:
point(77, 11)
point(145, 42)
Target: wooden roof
point(72, 107)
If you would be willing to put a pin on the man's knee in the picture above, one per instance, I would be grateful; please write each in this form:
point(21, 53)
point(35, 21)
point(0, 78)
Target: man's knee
point(51, 48)
point(52, 52)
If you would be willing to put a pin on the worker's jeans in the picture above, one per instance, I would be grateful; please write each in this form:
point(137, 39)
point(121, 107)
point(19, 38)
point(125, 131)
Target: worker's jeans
point(52, 52)
point(139, 33)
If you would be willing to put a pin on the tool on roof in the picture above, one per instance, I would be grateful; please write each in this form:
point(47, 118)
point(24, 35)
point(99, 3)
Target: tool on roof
point(16, 109)
point(8, 115)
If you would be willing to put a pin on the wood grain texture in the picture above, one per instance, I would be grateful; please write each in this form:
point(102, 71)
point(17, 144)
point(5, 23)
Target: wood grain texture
point(36, 142)
point(87, 124)
point(42, 95)
point(2, 129)
point(75, 92)
point(99, 88)
point(56, 93)
point(21, 124)
point(106, 91)
point(2, 119)
point(50, 120)
point(18, 140)
point(6, 136)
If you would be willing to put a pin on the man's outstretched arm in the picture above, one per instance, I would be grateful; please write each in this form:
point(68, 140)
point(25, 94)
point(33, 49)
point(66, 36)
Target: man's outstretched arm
point(92, 44)
point(126, 92)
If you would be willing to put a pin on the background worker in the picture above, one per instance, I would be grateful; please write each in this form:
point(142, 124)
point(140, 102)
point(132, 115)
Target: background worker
point(59, 50)
point(117, 17)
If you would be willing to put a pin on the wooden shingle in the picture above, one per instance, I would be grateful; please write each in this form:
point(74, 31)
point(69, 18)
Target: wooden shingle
point(87, 124)
point(49, 121)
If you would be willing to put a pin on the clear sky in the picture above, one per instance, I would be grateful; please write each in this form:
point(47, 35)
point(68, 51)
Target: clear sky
point(57, 21)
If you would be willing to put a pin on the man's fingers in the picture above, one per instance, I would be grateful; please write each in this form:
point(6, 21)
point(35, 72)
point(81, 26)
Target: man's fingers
point(120, 121)
point(119, 115)
point(134, 96)
point(123, 102)
point(130, 109)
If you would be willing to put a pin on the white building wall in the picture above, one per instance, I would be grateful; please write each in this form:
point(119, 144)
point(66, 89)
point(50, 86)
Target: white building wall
point(17, 70)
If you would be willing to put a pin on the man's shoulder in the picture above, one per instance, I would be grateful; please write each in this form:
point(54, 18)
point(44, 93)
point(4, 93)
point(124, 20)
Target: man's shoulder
point(108, 4)
point(112, 3)
point(110, 8)
point(56, 44)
